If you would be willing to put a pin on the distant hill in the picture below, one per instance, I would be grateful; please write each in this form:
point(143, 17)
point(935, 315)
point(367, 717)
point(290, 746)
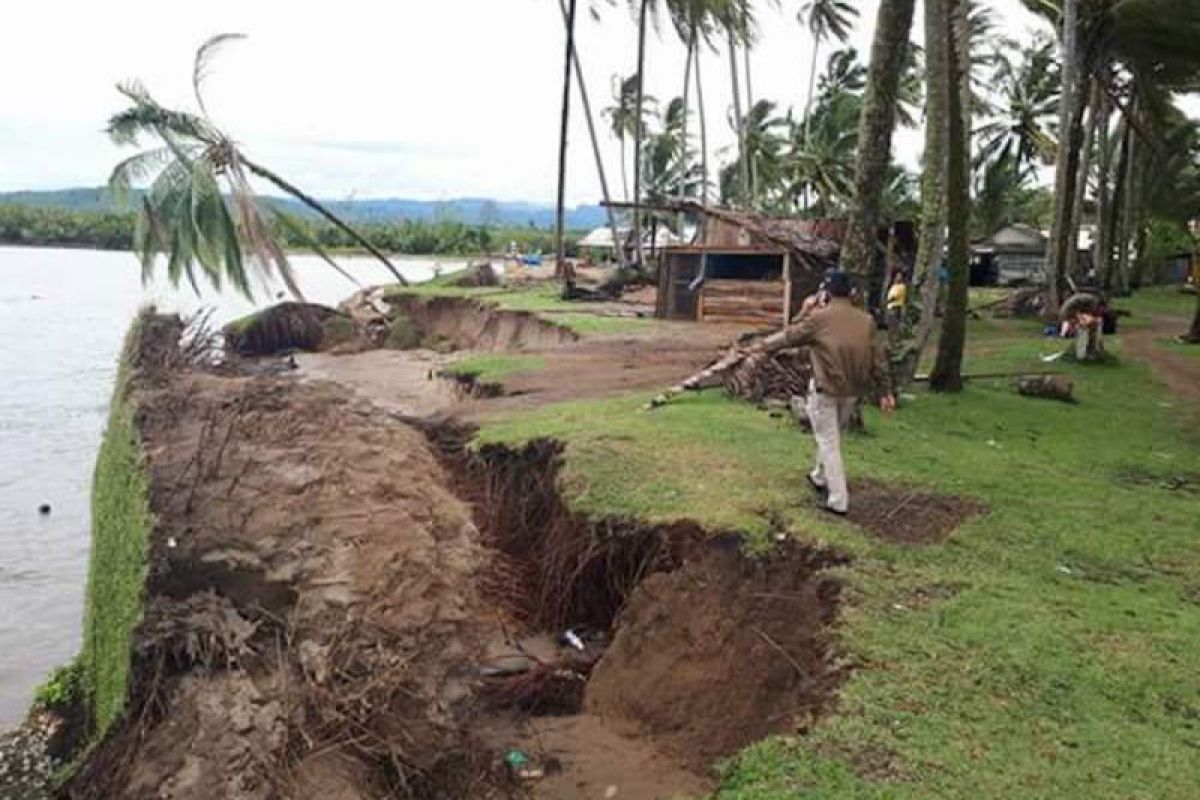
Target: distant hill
point(471, 210)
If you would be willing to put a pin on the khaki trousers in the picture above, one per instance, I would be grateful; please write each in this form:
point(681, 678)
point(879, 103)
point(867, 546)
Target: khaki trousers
point(829, 417)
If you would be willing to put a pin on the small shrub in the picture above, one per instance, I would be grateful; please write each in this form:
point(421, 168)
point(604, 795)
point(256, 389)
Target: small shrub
point(62, 690)
point(402, 334)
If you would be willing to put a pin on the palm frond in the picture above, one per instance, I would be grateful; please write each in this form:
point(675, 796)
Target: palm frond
point(292, 226)
point(136, 169)
point(204, 58)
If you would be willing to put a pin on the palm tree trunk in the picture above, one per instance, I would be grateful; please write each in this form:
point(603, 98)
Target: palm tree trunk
point(591, 124)
point(624, 169)
point(933, 180)
point(639, 132)
point(294, 191)
point(703, 130)
point(812, 87)
point(1117, 205)
point(560, 253)
point(1081, 180)
point(876, 125)
point(753, 167)
point(1129, 211)
point(1193, 334)
point(1063, 179)
point(739, 120)
point(947, 371)
point(687, 96)
point(1102, 247)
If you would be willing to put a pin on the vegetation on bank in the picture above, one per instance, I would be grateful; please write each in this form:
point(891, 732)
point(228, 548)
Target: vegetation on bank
point(114, 230)
point(1044, 650)
point(121, 522)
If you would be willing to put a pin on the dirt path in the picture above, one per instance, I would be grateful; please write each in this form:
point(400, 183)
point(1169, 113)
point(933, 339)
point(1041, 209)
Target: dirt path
point(1181, 373)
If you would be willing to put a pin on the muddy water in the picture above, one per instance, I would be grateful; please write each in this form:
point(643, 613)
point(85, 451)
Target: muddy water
point(62, 316)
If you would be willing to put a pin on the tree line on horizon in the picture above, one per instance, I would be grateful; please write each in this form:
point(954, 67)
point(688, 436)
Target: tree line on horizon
point(115, 230)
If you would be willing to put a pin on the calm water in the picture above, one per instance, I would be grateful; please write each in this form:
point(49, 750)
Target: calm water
point(63, 314)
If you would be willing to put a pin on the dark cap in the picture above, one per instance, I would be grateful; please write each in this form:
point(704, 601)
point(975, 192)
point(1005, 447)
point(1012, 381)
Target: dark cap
point(837, 283)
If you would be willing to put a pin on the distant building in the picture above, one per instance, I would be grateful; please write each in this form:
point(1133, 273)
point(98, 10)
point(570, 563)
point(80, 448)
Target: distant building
point(1016, 255)
point(599, 243)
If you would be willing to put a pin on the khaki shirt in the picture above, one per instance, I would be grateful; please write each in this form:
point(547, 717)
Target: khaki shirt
point(847, 361)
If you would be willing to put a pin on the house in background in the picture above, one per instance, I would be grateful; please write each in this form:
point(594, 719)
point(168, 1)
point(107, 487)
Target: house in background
point(598, 244)
point(1015, 255)
point(749, 267)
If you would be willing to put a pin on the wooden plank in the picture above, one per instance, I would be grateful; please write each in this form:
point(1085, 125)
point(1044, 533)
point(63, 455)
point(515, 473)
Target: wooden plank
point(787, 288)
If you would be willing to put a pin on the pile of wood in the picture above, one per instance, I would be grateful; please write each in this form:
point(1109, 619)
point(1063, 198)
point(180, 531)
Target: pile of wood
point(782, 375)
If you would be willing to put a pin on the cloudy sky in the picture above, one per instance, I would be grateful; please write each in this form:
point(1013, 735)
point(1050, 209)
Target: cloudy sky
point(366, 98)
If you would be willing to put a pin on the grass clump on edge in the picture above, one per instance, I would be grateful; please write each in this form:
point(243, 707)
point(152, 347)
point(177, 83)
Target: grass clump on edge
point(494, 366)
point(121, 522)
point(1046, 649)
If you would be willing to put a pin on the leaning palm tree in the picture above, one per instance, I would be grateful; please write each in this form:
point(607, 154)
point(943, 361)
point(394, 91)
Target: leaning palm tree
point(824, 18)
point(185, 214)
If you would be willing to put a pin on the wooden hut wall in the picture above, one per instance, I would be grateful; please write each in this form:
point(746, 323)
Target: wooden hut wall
point(676, 299)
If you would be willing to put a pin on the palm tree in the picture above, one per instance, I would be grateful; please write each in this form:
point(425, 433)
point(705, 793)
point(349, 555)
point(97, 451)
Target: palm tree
point(737, 19)
point(1020, 134)
point(933, 179)
point(876, 126)
point(623, 118)
point(591, 125)
point(947, 370)
point(560, 208)
point(824, 18)
point(694, 23)
point(184, 214)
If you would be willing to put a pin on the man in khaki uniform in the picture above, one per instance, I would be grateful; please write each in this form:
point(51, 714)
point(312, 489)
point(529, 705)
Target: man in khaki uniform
point(847, 363)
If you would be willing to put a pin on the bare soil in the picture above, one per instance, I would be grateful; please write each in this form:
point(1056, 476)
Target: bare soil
point(724, 651)
point(908, 515)
point(310, 593)
point(1179, 372)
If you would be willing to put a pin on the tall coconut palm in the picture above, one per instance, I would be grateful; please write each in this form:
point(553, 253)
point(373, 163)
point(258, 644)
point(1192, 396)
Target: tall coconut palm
point(736, 17)
point(560, 208)
point(947, 370)
point(623, 117)
point(933, 179)
point(184, 213)
point(824, 19)
point(1027, 85)
point(694, 23)
point(876, 125)
point(601, 173)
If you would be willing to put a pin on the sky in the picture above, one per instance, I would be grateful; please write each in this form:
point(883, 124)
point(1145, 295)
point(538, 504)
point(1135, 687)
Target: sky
point(366, 98)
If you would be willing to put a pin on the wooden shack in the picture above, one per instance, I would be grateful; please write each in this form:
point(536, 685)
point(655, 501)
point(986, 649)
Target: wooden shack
point(744, 267)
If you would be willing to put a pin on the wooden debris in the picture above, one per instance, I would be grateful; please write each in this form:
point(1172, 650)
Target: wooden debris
point(1050, 387)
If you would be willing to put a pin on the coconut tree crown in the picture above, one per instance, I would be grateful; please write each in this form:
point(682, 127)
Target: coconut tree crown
point(224, 236)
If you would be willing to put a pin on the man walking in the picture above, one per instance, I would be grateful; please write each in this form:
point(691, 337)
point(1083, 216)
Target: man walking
point(847, 364)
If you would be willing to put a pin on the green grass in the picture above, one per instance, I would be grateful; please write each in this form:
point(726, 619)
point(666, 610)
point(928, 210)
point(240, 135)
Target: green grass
point(1061, 660)
point(494, 366)
point(121, 523)
point(1166, 300)
point(542, 299)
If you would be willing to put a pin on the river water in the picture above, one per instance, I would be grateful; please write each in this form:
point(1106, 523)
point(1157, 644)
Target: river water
point(63, 315)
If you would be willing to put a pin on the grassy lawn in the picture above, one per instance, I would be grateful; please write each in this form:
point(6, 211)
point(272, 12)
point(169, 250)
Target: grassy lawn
point(1047, 649)
point(542, 299)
